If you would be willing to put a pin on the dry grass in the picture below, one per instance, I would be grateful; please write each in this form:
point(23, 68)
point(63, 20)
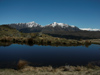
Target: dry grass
point(22, 63)
point(64, 70)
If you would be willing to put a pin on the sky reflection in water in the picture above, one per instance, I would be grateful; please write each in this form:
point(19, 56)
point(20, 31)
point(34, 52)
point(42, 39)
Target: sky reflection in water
point(50, 55)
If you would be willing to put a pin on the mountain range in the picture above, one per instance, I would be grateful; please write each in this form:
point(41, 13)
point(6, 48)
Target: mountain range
point(57, 30)
point(35, 27)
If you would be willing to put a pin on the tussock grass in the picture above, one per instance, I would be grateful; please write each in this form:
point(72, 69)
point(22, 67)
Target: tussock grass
point(65, 70)
point(22, 63)
point(25, 69)
point(45, 40)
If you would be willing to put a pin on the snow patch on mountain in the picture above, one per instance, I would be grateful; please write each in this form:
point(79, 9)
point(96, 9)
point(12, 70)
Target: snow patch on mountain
point(60, 24)
point(54, 24)
point(72, 26)
point(63, 25)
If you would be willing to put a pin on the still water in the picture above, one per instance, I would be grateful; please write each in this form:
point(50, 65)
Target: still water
point(48, 55)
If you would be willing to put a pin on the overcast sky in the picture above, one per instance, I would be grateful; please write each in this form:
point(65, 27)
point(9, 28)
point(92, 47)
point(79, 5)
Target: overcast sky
point(81, 13)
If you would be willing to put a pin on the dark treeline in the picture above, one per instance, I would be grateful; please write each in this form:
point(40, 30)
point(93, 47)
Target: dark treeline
point(76, 34)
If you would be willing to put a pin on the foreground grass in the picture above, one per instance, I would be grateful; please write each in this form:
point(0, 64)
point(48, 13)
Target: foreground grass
point(67, 70)
point(25, 69)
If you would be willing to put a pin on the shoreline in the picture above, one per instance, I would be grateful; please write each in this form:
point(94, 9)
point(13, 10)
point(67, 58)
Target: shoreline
point(6, 41)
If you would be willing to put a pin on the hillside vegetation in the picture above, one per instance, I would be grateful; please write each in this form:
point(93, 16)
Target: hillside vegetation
point(8, 31)
point(76, 34)
point(8, 34)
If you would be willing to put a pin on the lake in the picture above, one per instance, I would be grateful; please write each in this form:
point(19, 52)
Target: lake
point(39, 55)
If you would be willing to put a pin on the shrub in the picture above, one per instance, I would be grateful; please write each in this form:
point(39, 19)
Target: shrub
point(21, 64)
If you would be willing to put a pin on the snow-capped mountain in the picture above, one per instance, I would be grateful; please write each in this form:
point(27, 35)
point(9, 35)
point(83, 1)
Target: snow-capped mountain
point(60, 24)
point(59, 27)
point(32, 24)
point(24, 25)
point(35, 27)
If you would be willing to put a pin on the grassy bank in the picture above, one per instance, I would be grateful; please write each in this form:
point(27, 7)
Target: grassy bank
point(25, 69)
point(45, 40)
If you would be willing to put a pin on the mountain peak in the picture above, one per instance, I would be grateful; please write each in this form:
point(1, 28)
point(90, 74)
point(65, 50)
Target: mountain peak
point(32, 24)
point(54, 24)
point(59, 24)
